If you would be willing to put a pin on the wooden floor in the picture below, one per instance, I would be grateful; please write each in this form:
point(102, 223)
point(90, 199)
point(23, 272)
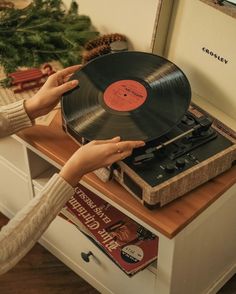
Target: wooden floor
point(41, 272)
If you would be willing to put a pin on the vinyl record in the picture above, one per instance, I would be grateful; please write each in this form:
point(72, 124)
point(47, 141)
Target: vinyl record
point(135, 95)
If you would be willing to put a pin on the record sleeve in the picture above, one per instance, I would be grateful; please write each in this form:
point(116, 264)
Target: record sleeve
point(134, 95)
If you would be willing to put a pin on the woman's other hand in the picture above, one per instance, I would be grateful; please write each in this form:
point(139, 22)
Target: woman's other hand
point(50, 93)
point(94, 155)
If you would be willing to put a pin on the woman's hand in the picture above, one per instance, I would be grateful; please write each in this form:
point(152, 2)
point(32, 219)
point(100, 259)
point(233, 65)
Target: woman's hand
point(49, 95)
point(94, 155)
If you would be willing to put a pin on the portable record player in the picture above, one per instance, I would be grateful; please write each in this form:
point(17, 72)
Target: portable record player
point(195, 151)
point(142, 96)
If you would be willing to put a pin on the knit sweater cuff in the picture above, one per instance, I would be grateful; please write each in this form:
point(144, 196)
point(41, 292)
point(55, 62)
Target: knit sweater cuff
point(17, 116)
point(59, 191)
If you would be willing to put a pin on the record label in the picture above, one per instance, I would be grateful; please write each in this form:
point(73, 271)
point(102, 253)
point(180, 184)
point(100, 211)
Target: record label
point(125, 95)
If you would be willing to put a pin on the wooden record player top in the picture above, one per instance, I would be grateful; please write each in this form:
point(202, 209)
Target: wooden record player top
point(53, 142)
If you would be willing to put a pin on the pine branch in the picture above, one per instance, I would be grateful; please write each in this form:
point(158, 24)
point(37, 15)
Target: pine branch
point(42, 32)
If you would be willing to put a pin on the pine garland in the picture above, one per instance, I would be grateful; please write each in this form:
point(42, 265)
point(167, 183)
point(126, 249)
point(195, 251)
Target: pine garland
point(42, 32)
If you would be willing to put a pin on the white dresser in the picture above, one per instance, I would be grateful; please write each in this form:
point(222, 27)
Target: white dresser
point(196, 233)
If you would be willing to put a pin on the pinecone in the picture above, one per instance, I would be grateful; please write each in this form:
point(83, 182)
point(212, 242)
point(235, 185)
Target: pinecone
point(6, 4)
point(104, 40)
point(95, 52)
point(101, 45)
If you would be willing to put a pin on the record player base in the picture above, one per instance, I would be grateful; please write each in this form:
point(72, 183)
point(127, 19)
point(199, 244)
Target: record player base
point(181, 183)
point(177, 186)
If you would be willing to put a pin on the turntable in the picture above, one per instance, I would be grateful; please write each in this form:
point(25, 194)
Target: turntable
point(142, 96)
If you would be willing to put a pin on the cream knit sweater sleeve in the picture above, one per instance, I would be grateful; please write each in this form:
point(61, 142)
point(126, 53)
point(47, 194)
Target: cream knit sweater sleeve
point(13, 118)
point(26, 227)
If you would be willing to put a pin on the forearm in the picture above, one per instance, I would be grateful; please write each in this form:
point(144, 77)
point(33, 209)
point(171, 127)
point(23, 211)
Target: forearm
point(13, 118)
point(23, 231)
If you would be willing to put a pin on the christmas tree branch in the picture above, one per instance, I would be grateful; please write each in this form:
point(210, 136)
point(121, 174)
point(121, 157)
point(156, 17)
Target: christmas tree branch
point(42, 32)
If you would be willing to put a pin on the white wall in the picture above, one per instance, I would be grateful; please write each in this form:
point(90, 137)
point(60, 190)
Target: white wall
point(133, 18)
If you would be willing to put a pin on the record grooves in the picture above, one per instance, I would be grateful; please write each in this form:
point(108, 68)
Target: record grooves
point(135, 95)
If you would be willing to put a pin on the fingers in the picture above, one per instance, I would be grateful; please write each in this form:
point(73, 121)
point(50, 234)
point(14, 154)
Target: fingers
point(116, 146)
point(125, 149)
point(69, 70)
point(67, 77)
point(124, 145)
point(120, 156)
point(63, 75)
point(129, 145)
point(67, 86)
point(113, 140)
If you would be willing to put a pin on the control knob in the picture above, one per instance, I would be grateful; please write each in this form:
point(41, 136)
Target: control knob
point(180, 162)
point(170, 168)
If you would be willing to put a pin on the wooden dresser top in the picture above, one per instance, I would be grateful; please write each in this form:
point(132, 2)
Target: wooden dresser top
point(169, 220)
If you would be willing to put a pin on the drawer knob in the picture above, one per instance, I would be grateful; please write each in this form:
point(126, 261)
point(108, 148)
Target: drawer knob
point(86, 256)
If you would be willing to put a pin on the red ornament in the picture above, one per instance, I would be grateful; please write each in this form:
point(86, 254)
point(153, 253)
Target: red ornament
point(30, 78)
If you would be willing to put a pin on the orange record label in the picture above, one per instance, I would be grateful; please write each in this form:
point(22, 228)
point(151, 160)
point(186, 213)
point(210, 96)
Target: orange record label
point(125, 95)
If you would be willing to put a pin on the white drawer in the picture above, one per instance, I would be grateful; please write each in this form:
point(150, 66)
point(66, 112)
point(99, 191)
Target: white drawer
point(67, 243)
point(15, 190)
point(13, 151)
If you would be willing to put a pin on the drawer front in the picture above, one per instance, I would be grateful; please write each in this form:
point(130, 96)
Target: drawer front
point(15, 189)
point(13, 151)
point(68, 240)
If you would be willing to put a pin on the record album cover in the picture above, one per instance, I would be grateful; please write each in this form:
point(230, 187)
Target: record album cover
point(128, 244)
